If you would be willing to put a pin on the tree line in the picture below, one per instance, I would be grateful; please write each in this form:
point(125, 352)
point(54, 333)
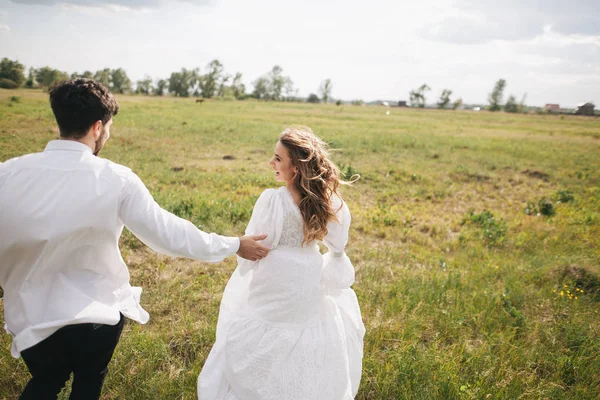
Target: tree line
point(495, 98)
point(214, 82)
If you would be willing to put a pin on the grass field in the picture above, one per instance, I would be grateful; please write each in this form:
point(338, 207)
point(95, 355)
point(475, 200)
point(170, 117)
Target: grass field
point(475, 237)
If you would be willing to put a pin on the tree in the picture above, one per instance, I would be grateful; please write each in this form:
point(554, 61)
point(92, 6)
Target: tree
point(30, 82)
point(239, 89)
point(313, 98)
point(103, 76)
point(223, 84)
point(46, 76)
point(495, 98)
point(144, 86)
point(272, 85)
point(288, 87)
point(522, 106)
point(209, 81)
point(13, 71)
point(444, 98)
point(86, 75)
point(457, 103)
point(417, 97)
point(161, 87)
point(325, 90)
point(180, 83)
point(511, 105)
point(277, 82)
point(261, 88)
point(119, 80)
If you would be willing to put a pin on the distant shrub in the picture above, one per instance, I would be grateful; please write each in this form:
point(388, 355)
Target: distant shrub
point(565, 196)
point(493, 231)
point(546, 207)
point(313, 98)
point(348, 171)
point(542, 207)
point(7, 84)
point(15, 99)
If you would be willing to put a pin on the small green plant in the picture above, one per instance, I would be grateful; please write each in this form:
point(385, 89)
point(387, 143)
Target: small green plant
point(542, 207)
point(512, 310)
point(493, 231)
point(565, 196)
point(348, 171)
point(15, 99)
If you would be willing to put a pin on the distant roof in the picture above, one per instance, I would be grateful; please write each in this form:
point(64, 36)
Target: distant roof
point(588, 104)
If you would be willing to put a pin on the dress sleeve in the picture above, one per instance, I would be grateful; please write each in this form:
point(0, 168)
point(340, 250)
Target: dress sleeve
point(338, 272)
point(267, 217)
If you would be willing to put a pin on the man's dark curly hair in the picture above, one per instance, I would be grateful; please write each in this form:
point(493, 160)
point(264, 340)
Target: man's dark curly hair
point(78, 103)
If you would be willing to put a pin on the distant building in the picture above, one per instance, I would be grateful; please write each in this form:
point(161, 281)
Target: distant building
point(402, 103)
point(552, 108)
point(585, 109)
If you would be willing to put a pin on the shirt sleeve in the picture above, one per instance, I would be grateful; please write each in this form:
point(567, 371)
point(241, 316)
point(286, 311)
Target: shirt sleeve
point(338, 271)
point(166, 233)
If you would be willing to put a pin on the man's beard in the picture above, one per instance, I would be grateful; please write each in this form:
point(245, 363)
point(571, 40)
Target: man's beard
point(100, 142)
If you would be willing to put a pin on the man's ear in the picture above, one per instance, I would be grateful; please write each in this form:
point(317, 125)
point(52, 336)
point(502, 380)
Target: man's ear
point(97, 129)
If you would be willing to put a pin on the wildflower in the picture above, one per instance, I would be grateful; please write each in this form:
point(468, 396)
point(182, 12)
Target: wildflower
point(562, 293)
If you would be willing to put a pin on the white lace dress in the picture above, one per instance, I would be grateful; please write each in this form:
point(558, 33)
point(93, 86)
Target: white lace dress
point(289, 325)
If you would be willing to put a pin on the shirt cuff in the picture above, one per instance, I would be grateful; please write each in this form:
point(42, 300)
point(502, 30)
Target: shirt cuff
point(234, 242)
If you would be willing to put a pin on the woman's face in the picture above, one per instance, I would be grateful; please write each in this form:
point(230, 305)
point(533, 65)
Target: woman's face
point(282, 164)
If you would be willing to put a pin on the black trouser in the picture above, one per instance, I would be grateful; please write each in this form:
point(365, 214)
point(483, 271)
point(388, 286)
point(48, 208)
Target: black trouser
point(84, 349)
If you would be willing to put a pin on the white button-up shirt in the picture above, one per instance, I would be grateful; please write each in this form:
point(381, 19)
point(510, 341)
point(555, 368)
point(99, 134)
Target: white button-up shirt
point(61, 214)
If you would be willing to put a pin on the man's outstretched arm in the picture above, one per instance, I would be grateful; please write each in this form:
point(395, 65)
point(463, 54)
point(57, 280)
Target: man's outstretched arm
point(168, 234)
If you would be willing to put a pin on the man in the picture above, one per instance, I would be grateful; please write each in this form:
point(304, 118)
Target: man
point(66, 287)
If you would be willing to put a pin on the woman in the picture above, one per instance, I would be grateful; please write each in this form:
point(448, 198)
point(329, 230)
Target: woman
point(289, 325)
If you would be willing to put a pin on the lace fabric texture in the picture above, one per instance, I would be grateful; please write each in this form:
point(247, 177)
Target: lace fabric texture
point(289, 325)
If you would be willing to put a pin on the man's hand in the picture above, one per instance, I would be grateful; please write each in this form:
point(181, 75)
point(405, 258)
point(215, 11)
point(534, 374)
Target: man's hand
point(250, 249)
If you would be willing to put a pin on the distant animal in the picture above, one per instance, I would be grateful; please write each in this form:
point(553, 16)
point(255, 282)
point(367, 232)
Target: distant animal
point(199, 100)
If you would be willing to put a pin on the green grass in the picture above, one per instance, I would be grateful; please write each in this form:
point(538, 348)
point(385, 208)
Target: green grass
point(464, 294)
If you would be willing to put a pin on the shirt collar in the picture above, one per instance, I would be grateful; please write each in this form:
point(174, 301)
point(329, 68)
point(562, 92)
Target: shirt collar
point(68, 145)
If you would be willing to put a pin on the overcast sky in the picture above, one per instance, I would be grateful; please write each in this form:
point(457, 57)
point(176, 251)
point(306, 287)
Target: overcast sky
point(371, 50)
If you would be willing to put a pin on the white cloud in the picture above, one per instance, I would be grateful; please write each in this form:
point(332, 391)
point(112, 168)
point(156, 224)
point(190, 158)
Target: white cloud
point(114, 5)
point(481, 21)
point(4, 27)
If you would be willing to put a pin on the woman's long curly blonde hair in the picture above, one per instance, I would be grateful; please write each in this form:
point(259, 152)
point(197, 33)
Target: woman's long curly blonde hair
point(317, 178)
